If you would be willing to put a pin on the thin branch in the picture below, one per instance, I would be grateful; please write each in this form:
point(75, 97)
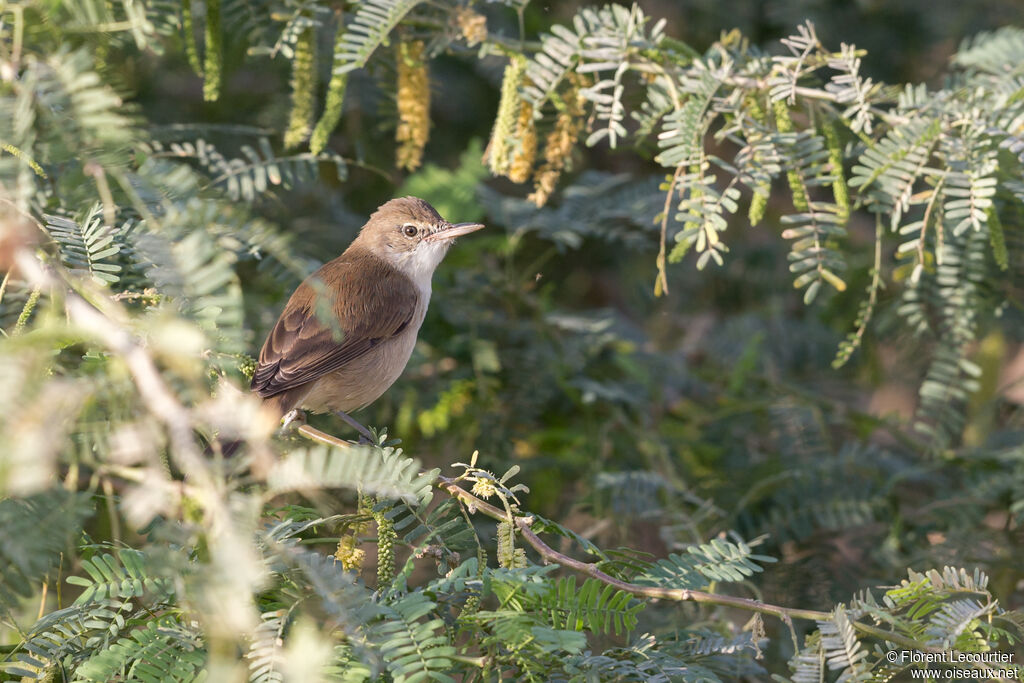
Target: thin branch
point(314, 434)
point(158, 398)
point(656, 592)
point(549, 554)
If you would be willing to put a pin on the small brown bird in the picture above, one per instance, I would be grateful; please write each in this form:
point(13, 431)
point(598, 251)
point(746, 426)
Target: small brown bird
point(348, 331)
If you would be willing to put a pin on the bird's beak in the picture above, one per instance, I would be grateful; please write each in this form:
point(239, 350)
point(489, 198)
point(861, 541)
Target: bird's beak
point(450, 232)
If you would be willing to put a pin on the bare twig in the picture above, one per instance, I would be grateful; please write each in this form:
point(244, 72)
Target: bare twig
point(314, 434)
point(656, 592)
point(154, 392)
point(524, 522)
point(549, 554)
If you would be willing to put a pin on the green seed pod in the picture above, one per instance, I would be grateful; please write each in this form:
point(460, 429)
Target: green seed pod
point(509, 556)
point(386, 538)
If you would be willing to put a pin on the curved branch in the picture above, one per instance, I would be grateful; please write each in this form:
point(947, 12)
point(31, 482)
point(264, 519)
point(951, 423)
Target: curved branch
point(550, 555)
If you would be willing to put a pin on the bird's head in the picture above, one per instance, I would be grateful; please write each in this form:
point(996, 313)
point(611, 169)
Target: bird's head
point(410, 234)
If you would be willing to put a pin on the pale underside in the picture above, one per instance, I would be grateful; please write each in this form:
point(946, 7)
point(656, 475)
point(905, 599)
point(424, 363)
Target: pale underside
point(364, 379)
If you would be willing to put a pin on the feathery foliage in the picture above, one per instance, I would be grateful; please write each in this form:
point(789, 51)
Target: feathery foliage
point(164, 171)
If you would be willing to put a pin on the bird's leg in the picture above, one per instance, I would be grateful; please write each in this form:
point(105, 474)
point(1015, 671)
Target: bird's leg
point(363, 431)
point(293, 419)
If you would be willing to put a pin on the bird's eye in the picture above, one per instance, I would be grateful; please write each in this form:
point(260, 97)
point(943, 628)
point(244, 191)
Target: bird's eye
point(410, 230)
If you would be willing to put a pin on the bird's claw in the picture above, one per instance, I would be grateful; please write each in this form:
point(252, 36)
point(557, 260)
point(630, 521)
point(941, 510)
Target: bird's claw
point(292, 420)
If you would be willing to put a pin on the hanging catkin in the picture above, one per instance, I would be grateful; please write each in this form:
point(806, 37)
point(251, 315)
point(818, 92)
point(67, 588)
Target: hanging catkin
point(526, 145)
point(499, 151)
point(189, 29)
point(335, 99)
point(300, 121)
point(214, 52)
point(413, 105)
point(560, 143)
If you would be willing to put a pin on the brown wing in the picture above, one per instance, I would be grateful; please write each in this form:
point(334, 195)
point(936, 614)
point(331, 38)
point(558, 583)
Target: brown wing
point(305, 345)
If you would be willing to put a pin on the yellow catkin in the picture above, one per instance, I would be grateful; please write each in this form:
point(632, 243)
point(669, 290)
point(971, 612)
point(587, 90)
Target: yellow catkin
point(472, 604)
point(214, 52)
point(24, 158)
point(472, 25)
point(997, 239)
point(526, 145)
point(835, 156)
point(350, 556)
point(300, 121)
point(348, 552)
point(759, 202)
point(785, 125)
point(499, 151)
point(484, 488)
point(188, 26)
point(413, 105)
point(334, 102)
point(26, 312)
point(559, 144)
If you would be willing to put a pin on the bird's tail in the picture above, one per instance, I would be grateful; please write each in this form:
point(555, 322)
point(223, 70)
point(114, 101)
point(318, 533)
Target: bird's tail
point(276, 407)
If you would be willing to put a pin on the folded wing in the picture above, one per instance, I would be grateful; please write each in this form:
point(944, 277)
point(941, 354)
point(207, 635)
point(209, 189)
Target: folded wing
point(370, 302)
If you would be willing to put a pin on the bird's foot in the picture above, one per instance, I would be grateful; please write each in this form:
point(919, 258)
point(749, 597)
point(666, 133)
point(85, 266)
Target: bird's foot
point(365, 435)
point(292, 420)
